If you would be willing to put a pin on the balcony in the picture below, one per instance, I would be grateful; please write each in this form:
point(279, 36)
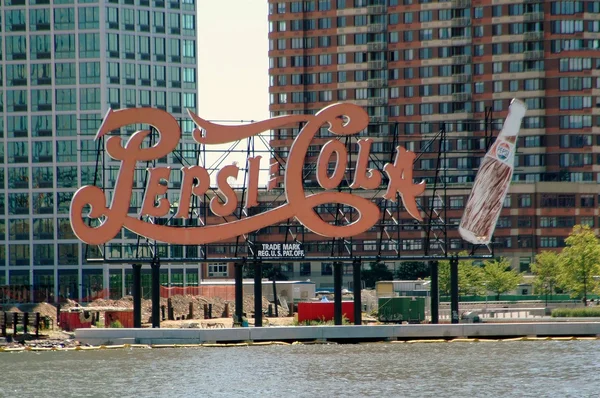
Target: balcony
point(377, 101)
point(461, 3)
point(376, 10)
point(461, 97)
point(376, 65)
point(377, 83)
point(376, 28)
point(461, 22)
point(461, 78)
point(533, 55)
point(533, 16)
point(378, 46)
point(533, 36)
point(461, 59)
point(378, 119)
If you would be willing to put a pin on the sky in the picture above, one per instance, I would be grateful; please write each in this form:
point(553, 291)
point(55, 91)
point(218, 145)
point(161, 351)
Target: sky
point(233, 63)
point(233, 77)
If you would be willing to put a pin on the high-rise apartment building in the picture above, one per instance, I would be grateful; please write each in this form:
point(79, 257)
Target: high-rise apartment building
point(413, 64)
point(63, 64)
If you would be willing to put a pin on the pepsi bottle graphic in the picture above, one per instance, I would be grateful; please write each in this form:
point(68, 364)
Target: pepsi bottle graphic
point(492, 182)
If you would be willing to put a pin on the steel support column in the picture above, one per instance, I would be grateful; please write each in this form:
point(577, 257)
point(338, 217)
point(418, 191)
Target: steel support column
point(435, 292)
point(155, 292)
point(239, 292)
point(357, 285)
point(454, 290)
point(337, 292)
point(257, 293)
point(137, 295)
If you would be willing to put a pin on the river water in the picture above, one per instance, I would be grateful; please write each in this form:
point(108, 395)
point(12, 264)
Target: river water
point(492, 369)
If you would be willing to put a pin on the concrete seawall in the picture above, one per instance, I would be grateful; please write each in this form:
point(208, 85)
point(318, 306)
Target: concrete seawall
point(340, 334)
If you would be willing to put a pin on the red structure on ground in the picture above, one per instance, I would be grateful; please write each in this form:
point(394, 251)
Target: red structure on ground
point(323, 311)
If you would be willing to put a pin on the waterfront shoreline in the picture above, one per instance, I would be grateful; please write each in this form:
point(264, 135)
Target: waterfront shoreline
point(16, 348)
point(337, 334)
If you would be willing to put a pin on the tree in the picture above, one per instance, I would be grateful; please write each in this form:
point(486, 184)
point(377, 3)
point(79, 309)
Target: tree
point(444, 277)
point(470, 277)
point(412, 270)
point(580, 262)
point(499, 277)
point(546, 269)
point(376, 272)
point(268, 271)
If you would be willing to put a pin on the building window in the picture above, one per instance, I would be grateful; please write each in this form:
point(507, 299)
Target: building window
point(217, 270)
point(326, 269)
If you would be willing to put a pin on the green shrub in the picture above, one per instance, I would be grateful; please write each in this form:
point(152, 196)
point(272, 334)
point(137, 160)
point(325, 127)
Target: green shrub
point(116, 324)
point(576, 312)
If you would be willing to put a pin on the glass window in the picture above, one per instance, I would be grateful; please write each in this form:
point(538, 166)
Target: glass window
point(41, 74)
point(41, 47)
point(42, 177)
point(66, 125)
point(89, 72)
point(66, 177)
point(64, 18)
point(89, 17)
point(89, 99)
point(89, 45)
point(43, 228)
point(159, 49)
point(43, 255)
point(18, 152)
point(159, 21)
point(19, 229)
point(144, 48)
point(17, 126)
point(64, 46)
point(15, 20)
point(18, 177)
point(42, 151)
point(18, 203)
point(43, 202)
point(16, 100)
point(63, 229)
point(66, 151)
point(18, 255)
point(66, 100)
point(41, 100)
point(68, 254)
point(64, 201)
point(16, 75)
point(65, 73)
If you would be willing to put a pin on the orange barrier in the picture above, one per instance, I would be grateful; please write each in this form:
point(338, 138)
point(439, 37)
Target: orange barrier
point(223, 292)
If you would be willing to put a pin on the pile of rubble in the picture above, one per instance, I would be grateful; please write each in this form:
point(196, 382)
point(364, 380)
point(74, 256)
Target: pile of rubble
point(181, 306)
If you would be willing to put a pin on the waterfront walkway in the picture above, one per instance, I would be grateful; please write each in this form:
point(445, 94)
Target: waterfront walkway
point(339, 334)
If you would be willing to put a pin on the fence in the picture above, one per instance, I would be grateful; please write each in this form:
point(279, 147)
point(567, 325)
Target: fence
point(12, 320)
point(223, 292)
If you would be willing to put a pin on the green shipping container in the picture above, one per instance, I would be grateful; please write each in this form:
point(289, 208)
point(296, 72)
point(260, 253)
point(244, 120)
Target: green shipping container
point(402, 309)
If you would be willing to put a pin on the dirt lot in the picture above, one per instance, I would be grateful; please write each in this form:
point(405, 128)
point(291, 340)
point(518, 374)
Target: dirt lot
point(181, 307)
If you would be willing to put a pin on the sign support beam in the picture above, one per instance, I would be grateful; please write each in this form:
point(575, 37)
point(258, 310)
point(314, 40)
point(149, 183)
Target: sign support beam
point(357, 284)
point(435, 292)
point(257, 293)
point(155, 292)
point(454, 289)
point(137, 295)
point(337, 292)
point(239, 293)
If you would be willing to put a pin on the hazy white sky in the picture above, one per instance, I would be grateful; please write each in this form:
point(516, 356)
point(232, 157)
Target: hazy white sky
point(232, 55)
point(233, 71)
